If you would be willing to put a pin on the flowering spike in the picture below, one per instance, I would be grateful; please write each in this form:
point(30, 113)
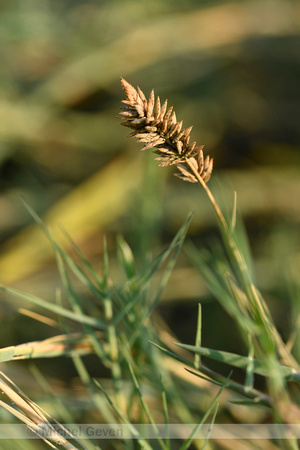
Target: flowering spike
point(156, 126)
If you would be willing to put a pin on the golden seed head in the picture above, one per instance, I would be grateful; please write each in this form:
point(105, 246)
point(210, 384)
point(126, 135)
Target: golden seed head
point(156, 126)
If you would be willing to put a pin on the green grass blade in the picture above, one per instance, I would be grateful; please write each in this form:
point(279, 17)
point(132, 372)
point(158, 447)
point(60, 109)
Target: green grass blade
point(141, 281)
point(249, 381)
point(205, 416)
point(90, 269)
point(80, 318)
point(105, 267)
point(76, 305)
point(143, 443)
point(197, 360)
point(257, 396)
point(78, 272)
point(176, 243)
point(6, 354)
point(96, 398)
point(211, 426)
point(125, 257)
point(173, 355)
point(146, 409)
point(113, 346)
point(235, 360)
point(64, 412)
point(166, 412)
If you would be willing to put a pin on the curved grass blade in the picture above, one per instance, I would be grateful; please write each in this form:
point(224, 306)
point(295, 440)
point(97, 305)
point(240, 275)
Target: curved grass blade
point(141, 282)
point(146, 409)
point(80, 318)
point(143, 443)
point(235, 360)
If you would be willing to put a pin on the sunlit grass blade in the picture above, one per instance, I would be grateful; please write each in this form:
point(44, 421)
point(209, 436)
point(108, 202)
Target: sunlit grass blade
point(6, 354)
point(126, 258)
point(197, 360)
point(233, 216)
point(35, 417)
point(63, 345)
point(40, 317)
point(249, 380)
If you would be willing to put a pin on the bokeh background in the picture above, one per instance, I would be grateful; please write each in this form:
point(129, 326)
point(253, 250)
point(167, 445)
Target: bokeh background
point(230, 68)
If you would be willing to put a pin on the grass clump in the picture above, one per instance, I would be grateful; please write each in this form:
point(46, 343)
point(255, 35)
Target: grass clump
point(121, 328)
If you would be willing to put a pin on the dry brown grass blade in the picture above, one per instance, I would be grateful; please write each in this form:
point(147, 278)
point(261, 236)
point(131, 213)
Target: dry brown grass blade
point(33, 416)
point(61, 345)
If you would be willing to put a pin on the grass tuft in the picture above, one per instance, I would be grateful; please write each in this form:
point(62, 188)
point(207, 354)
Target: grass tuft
point(147, 377)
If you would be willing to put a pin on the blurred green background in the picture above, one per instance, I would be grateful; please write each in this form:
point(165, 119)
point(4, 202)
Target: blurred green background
point(231, 69)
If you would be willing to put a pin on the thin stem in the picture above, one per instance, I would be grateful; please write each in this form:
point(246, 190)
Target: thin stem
point(113, 347)
point(218, 212)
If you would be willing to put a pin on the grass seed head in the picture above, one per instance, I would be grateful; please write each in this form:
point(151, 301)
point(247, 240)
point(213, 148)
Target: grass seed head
point(155, 125)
